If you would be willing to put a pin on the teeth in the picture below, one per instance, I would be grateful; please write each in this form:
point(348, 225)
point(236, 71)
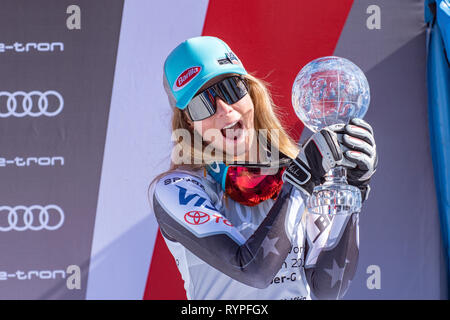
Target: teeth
point(230, 125)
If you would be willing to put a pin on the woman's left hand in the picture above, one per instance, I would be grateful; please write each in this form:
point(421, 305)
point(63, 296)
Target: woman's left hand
point(360, 152)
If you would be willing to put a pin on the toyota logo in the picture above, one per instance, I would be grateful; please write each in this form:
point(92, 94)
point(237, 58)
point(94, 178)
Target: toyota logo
point(196, 217)
point(21, 218)
point(20, 104)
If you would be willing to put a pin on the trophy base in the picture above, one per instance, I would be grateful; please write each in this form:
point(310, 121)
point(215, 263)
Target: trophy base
point(335, 196)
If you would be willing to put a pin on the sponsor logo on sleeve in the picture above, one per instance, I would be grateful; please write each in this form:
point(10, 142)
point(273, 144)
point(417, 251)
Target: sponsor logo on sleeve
point(196, 217)
point(185, 198)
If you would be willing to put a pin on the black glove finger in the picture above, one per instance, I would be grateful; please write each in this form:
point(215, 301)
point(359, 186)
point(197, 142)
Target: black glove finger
point(328, 141)
point(360, 133)
point(362, 160)
point(356, 144)
point(338, 128)
point(340, 138)
point(344, 162)
point(361, 123)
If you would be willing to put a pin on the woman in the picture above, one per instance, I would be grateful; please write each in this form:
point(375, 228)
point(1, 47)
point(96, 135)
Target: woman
point(236, 231)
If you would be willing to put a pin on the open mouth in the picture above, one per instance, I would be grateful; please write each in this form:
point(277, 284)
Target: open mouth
point(233, 131)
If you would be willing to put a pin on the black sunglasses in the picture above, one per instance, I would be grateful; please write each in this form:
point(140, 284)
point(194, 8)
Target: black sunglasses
point(230, 90)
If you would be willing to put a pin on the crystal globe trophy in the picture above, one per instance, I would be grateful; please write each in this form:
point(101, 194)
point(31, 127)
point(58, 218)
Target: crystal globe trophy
point(327, 91)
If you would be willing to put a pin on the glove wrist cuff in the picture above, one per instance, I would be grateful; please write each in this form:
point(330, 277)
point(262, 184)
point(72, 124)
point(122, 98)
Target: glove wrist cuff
point(299, 175)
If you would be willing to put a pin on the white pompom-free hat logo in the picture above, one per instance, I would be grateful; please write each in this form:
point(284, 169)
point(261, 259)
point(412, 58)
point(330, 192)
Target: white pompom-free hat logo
point(185, 77)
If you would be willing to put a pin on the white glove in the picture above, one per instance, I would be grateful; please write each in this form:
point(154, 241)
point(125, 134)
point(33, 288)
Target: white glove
point(358, 146)
point(317, 156)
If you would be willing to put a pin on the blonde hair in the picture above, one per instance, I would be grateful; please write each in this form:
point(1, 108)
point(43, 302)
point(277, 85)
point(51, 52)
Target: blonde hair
point(266, 116)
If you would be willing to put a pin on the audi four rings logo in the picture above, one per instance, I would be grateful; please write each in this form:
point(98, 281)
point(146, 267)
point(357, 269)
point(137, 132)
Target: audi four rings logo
point(20, 104)
point(35, 218)
point(196, 217)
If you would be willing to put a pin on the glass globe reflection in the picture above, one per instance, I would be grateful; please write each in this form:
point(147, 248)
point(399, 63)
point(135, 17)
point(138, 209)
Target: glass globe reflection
point(330, 90)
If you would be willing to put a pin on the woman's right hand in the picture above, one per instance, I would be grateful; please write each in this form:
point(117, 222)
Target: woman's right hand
point(318, 155)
